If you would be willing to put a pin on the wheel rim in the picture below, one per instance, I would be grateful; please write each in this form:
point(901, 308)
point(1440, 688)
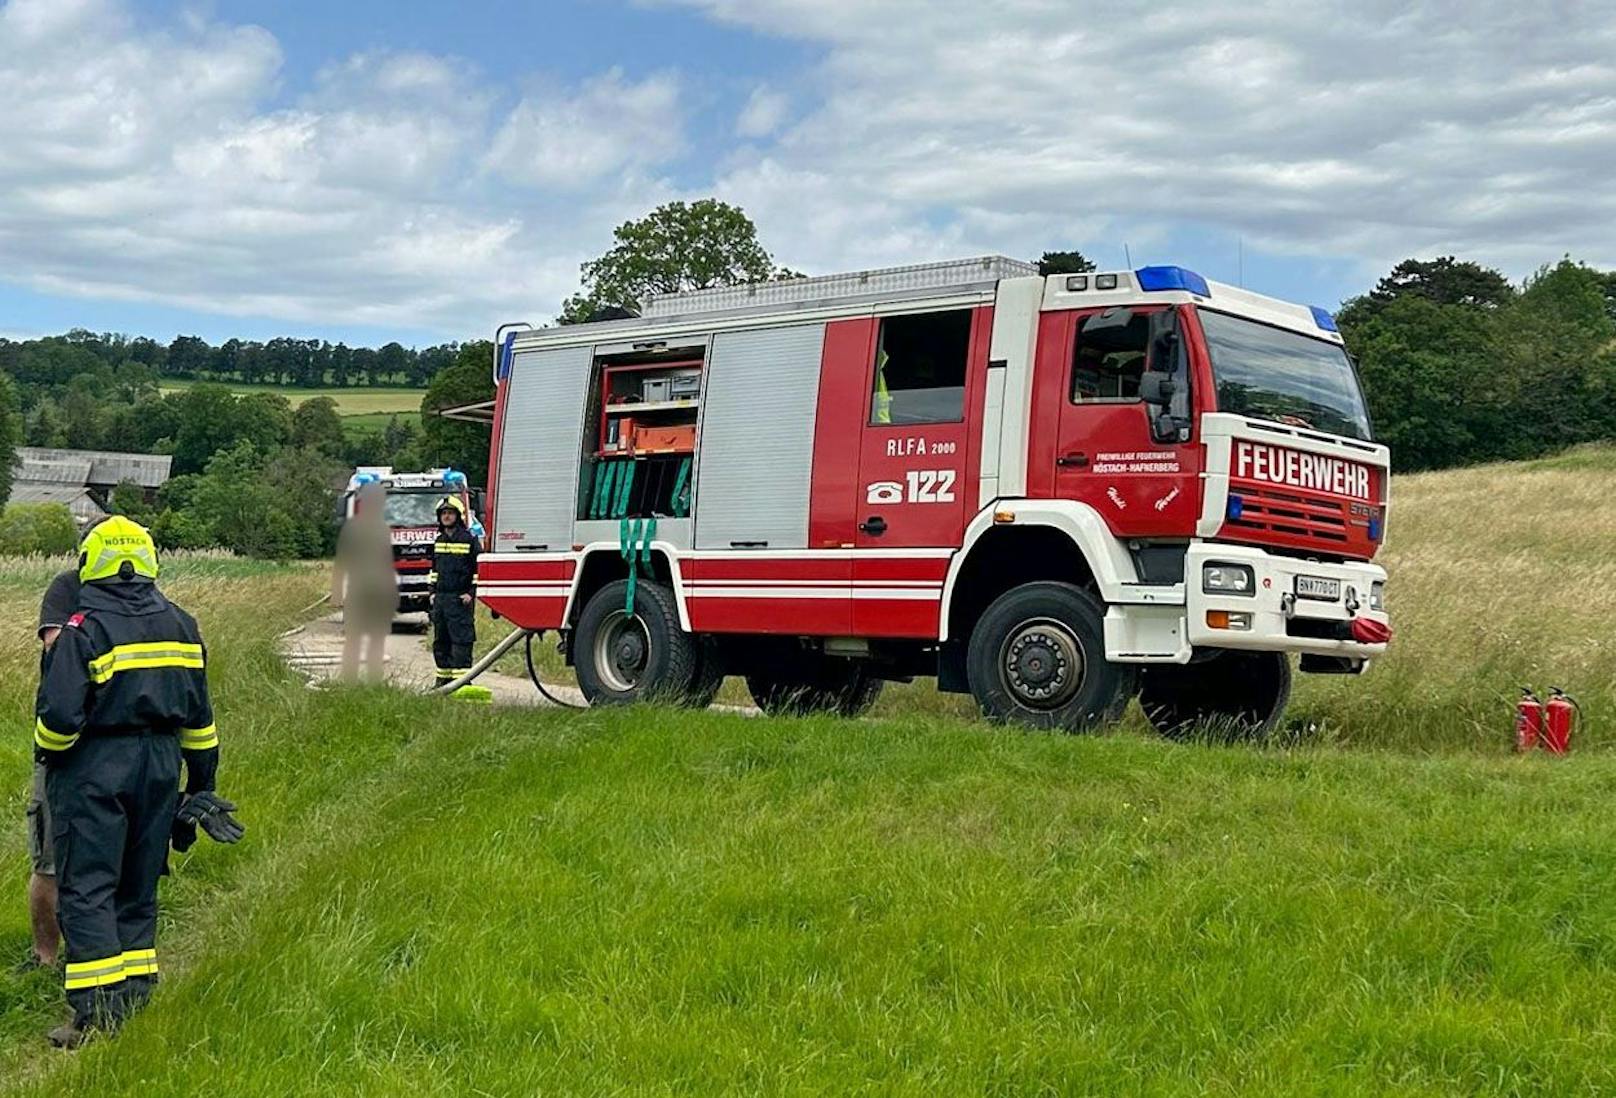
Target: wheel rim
point(1042, 664)
point(622, 651)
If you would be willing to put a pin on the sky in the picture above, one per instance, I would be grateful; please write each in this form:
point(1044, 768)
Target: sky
point(423, 171)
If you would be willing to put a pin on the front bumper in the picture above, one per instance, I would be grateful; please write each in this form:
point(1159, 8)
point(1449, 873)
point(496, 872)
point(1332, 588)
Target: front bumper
point(1279, 620)
point(413, 589)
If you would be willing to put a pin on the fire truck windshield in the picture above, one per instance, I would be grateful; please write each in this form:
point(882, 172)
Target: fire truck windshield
point(1269, 373)
point(412, 508)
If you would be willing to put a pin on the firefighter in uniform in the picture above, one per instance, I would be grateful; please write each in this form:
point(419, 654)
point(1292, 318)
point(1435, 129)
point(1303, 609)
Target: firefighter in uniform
point(453, 585)
point(123, 699)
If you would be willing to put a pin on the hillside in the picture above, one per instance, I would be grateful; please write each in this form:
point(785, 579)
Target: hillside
point(438, 898)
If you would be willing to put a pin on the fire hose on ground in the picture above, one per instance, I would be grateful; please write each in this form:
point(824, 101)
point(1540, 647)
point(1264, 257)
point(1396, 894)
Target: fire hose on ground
point(493, 656)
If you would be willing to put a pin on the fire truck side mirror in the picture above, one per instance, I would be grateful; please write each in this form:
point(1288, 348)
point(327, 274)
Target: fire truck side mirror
point(1165, 427)
point(1156, 388)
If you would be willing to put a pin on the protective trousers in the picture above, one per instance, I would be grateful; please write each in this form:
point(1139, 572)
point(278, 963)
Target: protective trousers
point(112, 801)
point(454, 631)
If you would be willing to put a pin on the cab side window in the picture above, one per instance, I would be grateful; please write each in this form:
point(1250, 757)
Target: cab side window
point(1109, 356)
point(920, 368)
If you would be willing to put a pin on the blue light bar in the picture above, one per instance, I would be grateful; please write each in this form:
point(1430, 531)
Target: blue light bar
point(1323, 319)
point(1172, 278)
point(503, 371)
point(1237, 507)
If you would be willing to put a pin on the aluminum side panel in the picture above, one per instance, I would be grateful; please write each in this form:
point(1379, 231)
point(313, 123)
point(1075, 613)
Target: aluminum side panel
point(540, 447)
point(757, 437)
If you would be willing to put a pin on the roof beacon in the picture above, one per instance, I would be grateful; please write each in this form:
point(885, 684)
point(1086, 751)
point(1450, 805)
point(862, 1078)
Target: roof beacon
point(1172, 278)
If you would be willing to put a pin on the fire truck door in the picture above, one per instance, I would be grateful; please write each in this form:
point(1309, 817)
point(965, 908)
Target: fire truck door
point(1106, 453)
point(918, 464)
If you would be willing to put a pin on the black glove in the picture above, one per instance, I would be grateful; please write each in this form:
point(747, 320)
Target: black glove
point(212, 812)
point(182, 835)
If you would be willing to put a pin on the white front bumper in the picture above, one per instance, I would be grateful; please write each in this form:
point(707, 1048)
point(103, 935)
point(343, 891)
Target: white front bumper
point(1278, 623)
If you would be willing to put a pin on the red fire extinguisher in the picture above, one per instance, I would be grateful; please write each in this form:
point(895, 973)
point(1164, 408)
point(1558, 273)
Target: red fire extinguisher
point(1559, 719)
point(1529, 718)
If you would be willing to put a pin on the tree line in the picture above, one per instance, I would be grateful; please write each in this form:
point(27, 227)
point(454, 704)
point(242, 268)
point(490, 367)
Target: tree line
point(1461, 366)
point(285, 360)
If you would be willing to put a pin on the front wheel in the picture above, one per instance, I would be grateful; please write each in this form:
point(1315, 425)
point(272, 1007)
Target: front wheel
point(1232, 695)
point(624, 658)
point(1037, 657)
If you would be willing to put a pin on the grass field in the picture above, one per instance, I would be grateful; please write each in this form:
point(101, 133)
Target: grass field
point(375, 422)
point(350, 401)
point(436, 898)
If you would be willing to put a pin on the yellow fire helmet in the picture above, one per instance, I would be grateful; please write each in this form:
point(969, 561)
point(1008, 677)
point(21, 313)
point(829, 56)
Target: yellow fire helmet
point(110, 543)
point(451, 503)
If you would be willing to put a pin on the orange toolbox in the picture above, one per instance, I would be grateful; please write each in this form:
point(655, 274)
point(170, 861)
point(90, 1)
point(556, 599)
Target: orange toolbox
point(664, 440)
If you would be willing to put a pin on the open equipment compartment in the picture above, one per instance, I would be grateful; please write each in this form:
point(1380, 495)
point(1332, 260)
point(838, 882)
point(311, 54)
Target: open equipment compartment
point(646, 408)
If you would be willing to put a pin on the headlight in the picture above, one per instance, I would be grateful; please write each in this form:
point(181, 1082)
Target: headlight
point(1228, 579)
point(1377, 596)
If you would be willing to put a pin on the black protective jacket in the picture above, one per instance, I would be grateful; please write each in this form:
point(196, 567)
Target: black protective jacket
point(129, 662)
point(454, 562)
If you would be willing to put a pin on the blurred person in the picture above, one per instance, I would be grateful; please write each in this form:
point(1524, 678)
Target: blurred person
point(453, 584)
point(122, 703)
point(364, 586)
point(60, 603)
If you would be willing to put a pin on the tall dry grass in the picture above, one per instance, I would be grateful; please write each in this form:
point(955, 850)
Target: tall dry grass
point(1501, 576)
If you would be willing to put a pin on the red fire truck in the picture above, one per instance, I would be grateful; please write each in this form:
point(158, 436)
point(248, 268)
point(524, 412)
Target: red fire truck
point(412, 520)
point(1057, 494)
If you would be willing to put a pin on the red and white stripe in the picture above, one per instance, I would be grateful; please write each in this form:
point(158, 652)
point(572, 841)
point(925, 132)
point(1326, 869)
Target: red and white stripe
point(834, 592)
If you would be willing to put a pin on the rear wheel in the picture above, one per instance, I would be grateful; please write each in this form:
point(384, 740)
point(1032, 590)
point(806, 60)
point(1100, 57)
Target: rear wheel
point(814, 684)
point(624, 658)
point(1037, 657)
point(1233, 695)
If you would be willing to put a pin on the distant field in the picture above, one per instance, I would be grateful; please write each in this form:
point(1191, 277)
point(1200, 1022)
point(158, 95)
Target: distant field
point(373, 422)
point(350, 402)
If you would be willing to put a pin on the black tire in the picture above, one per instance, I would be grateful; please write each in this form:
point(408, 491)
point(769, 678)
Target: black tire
point(1037, 657)
point(816, 684)
point(708, 679)
point(621, 660)
point(1232, 696)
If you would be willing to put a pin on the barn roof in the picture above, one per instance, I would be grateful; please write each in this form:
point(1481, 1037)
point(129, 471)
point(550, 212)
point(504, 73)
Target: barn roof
point(106, 467)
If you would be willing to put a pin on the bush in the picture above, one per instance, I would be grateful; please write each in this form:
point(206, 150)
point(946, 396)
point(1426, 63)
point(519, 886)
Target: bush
point(27, 529)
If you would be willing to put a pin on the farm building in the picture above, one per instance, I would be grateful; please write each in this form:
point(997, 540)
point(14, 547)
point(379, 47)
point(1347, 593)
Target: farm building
point(84, 479)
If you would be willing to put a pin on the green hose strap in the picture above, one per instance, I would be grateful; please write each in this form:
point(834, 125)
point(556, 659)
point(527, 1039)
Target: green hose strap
point(634, 538)
point(625, 489)
point(681, 483)
point(603, 477)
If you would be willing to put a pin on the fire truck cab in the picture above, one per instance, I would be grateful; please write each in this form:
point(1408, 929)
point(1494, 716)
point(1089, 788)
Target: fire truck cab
point(412, 520)
point(1057, 494)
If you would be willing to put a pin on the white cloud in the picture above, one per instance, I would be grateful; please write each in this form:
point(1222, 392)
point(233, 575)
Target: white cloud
point(158, 170)
point(164, 162)
point(572, 141)
point(764, 112)
point(1372, 131)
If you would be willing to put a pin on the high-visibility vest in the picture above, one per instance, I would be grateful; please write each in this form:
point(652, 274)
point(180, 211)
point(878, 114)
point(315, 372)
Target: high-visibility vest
point(883, 398)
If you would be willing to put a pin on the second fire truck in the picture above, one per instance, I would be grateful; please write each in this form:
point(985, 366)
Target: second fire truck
point(412, 521)
point(1056, 493)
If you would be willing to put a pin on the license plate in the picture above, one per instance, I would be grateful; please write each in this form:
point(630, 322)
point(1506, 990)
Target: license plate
point(1314, 587)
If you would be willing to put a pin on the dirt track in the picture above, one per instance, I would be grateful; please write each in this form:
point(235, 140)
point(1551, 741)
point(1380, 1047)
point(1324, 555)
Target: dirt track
point(316, 650)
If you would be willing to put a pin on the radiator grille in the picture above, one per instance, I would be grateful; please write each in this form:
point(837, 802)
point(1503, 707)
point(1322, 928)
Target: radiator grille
point(1293, 514)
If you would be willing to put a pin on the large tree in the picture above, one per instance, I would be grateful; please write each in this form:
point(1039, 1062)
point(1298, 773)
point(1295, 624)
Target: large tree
point(1073, 262)
point(462, 446)
point(1444, 280)
point(677, 246)
point(317, 426)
